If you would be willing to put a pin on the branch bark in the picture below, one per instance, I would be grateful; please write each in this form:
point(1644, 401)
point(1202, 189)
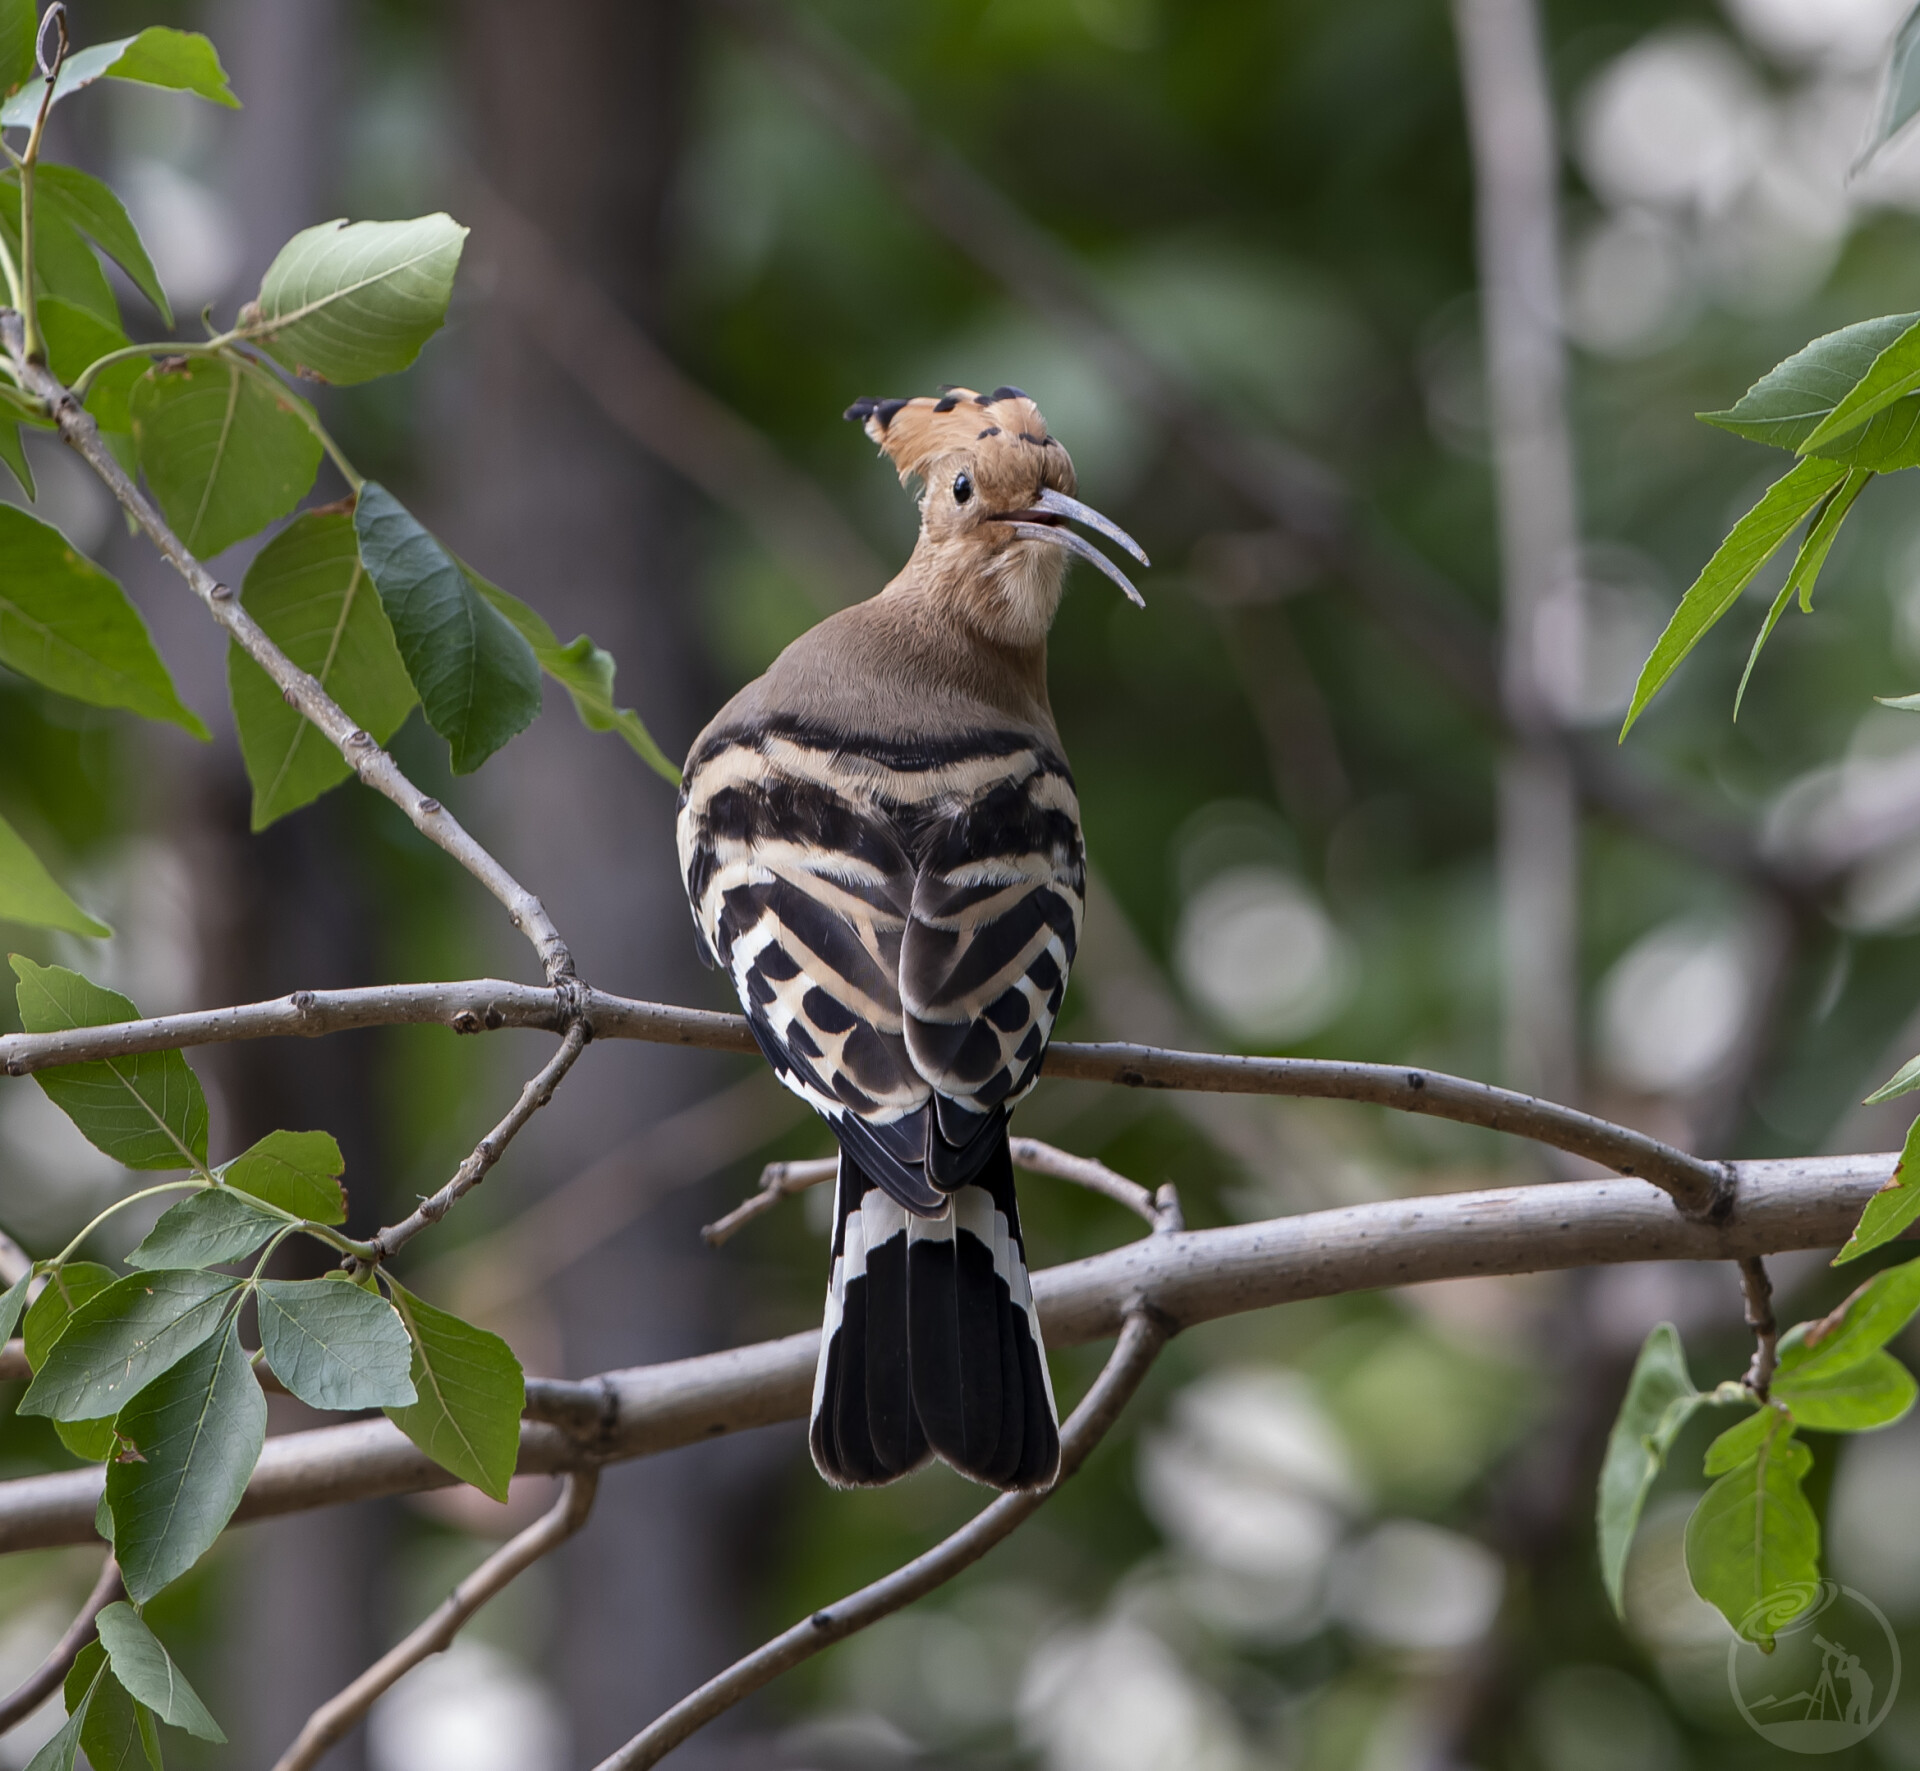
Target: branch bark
point(1186, 1277)
point(1141, 1339)
point(47, 1676)
point(331, 1721)
point(1696, 1185)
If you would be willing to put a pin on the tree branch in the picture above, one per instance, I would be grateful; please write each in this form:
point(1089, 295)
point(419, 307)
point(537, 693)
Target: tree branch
point(1758, 1291)
point(59, 1662)
point(1141, 1339)
point(331, 1721)
point(303, 692)
point(1186, 1277)
point(1696, 1185)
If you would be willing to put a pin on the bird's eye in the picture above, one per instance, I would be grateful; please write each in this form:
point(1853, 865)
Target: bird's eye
point(962, 488)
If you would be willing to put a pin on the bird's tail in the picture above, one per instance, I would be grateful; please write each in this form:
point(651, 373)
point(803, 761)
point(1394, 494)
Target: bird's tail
point(931, 1342)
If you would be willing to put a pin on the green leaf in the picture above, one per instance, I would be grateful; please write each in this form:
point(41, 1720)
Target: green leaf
point(29, 893)
point(1806, 567)
point(1743, 1440)
point(471, 1392)
point(19, 23)
point(1900, 91)
point(145, 1109)
point(69, 626)
point(145, 1668)
point(205, 1229)
point(182, 61)
point(1751, 544)
point(76, 339)
point(60, 1752)
point(1889, 1212)
point(345, 302)
point(1893, 374)
point(225, 451)
point(119, 1733)
point(1911, 1072)
point(1907, 1078)
point(14, 453)
point(94, 209)
point(64, 264)
point(1860, 1324)
point(1855, 1399)
point(1659, 1400)
point(123, 1338)
point(298, 1171)
point(13, 1304)
point(195, 1435)
point(478, 679)
point(584, 670)
point(336, 1346)
point(1753, 1544)
point(309, 591)
point(1787, 404)
point(66, 1290)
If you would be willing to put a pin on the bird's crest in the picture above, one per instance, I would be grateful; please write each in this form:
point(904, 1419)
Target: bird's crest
point(915, 433)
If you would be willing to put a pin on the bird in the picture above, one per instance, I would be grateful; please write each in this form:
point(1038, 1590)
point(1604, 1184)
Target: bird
point(881, 845)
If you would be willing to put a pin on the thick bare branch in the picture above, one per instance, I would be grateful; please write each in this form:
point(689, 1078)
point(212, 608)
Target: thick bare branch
point(537, 1093)
point(48, 1674)
point(1141, 1339)
point(372, 764)
point(331, 1721)
point(1696, 1186)
point(1187, 1277)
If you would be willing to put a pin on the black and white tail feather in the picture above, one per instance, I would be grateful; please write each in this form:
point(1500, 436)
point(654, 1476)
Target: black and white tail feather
point(931, 1344)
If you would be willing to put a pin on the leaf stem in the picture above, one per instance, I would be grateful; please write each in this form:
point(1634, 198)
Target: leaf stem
point(163, 347)
point(66, 1254)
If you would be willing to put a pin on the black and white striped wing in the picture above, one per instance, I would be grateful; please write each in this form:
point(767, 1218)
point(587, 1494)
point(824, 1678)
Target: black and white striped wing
point(990, 936)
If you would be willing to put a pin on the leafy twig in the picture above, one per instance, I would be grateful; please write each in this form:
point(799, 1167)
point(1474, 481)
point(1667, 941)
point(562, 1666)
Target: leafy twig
point(33, 345)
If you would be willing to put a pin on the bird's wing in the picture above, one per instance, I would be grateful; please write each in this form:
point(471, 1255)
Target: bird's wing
point(990, 936)
point(802, 891)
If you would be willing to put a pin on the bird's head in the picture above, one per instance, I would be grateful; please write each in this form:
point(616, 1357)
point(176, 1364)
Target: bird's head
point(996, 498)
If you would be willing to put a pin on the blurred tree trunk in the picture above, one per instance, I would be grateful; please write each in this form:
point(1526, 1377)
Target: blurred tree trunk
point(575, 120)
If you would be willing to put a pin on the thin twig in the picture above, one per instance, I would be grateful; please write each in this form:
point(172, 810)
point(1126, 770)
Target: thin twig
point(1190, 1277)
point(338, 1714)
point(59, 1662)
point(537, 1093)
point(781, 1180)
point(303, 692)
point(1696, 1185)
point(1140, 1342)
point(1758, 1291)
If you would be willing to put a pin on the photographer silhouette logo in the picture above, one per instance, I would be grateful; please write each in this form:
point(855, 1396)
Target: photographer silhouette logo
point(1832, 1674)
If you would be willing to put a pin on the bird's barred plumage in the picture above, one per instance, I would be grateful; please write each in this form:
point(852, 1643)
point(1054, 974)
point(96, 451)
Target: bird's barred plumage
point(881, 845)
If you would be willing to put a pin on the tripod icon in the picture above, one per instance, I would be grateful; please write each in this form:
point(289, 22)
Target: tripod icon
point(1825, 1704)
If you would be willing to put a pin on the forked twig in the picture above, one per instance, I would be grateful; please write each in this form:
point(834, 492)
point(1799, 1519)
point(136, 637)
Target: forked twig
point(339, 1713)
point(1758, 1290)
point(59, 1662)
point(781, 1180)
point(1140, 1341)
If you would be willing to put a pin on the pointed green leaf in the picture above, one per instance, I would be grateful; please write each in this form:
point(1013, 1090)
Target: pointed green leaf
point(19, 21)
point(1907, 1078)
point(336, 1346)
point(298, 1171)
point(64, 264)
point(1900, 90)
point(124, 1337)
point(1659, 1401)
point(1787, 404)
point(309, 591)
point(478, 679)
point(141, 1663)
point(1876, 1392)
point(195, 1435)
point(1743, 1440)
point(205, 1229)
point(1751, 544)
point(66, 1290)
point(60, 1752)
point(145, 1109)
point(225, 450)
point(471, 1392)
point(1753, 1544)
point(1891, 1210)
point(69, 626)
point(1892, 375)
point(1806, 567)
point(182, 61)
point(585, 671)
point(14, 453)
point(1909, 1075)
point(29, 893)
point(1860, 1325)
point(77, 338)
point(345, 302)
point(113, 1737)
point(98, 213)
point(13, 1305)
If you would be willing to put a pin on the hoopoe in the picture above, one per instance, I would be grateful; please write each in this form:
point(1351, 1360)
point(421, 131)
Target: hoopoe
point(881, 845)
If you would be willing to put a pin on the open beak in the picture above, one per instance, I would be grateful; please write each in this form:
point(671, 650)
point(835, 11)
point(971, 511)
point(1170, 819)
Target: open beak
point(1044, 520)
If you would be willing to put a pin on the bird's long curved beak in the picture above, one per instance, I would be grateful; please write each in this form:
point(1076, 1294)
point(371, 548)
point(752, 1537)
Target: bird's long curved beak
point(1043, 520)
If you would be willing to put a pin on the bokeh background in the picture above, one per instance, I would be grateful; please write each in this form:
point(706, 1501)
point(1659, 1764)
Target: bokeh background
point(1230, 246)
